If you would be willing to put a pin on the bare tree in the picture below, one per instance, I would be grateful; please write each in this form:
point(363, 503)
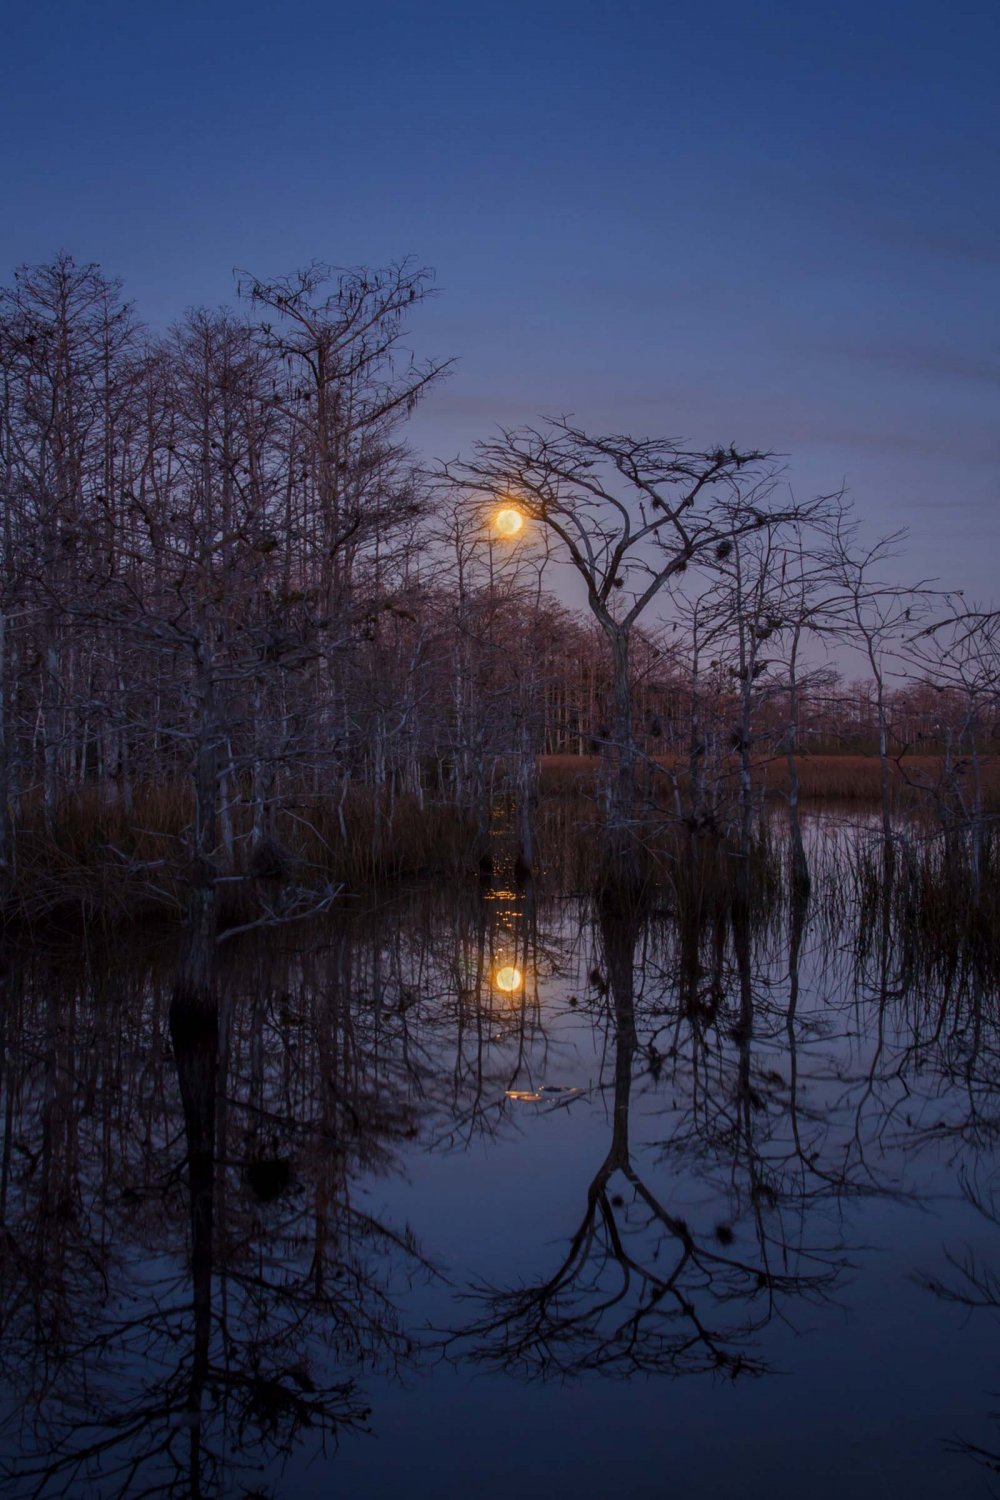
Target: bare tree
point(879, 616)
point(628, 515)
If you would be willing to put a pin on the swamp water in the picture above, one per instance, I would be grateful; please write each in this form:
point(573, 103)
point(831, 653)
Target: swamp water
point(460, 1193)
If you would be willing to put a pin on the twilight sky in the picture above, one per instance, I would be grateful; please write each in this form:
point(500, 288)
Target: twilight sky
point(776, 224)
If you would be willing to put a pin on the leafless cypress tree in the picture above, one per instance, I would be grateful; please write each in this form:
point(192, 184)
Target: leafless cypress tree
point(628, 515)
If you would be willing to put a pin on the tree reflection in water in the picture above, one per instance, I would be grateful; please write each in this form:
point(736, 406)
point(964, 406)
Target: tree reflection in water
point(638, 1288)
point(148, 1370)
point(965, 1063)
point(192, 1284)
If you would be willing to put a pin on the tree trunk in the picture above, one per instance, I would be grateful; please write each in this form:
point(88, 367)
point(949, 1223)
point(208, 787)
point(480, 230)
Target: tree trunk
point(800, 865)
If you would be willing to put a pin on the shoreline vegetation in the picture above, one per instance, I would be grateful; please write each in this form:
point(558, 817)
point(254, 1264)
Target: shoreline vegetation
point(826, 777)
point(105, 863)
point(255, 658)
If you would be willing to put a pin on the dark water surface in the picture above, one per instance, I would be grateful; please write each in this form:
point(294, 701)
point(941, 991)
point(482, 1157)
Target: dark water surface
point(314, 1246)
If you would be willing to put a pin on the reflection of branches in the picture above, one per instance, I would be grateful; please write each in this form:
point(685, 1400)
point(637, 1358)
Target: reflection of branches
point(326, 1057)
point(609, 1306)
point(151, 1443)
point(638, 1289)
point(166, 1374)
point(977, 1288)
point(187, 1268)
point(492, 1040)
point(753, 1063)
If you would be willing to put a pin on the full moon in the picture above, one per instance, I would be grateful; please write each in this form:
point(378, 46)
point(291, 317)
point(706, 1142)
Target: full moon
point(508, 521)
point(508, 979)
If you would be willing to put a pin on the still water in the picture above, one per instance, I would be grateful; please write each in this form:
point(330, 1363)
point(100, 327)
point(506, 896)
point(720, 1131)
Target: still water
point(460, 1193)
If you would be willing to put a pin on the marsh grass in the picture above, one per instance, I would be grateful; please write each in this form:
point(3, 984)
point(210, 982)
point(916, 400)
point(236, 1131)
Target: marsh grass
point(101, 860)
point(107, 862)
point(362, 844)
point(103, 864)
point(941, 905)
point(695, 875)
point(822, 778)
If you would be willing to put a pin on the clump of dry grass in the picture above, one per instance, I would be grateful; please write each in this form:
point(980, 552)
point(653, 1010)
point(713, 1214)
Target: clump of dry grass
point(103, 861)
point(561, 775)
point(364, 844)
point(710, 880)
point(942, 904)
point(700, 873)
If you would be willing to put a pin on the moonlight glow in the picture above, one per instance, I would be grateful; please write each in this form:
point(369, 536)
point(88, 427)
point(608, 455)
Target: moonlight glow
point(508, 521)
point(508, 979)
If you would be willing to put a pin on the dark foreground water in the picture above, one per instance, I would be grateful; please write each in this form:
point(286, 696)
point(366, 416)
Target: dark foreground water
point(698, 1213)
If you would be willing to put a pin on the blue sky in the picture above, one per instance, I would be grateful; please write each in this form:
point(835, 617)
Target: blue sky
point(776, 224)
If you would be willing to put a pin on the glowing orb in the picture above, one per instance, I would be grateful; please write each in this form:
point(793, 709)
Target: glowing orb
point(508, 521)
point(508, 979)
